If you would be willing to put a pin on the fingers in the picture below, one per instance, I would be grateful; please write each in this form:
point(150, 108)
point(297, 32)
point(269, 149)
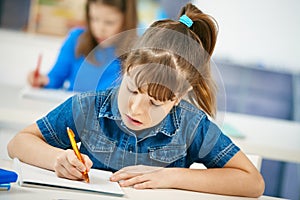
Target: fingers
point(30, 78)
point(123, 175)
point(69, 166)
point(64, 169)
point(144, 185)
point(137, 181)
point(74, 161)
point(62, 172)
point(135, 176)
point(143, 177)
point(88, 163)
point(132, 171)
point(39, 81)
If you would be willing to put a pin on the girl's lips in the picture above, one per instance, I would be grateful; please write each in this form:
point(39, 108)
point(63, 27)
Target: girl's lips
point(133, 121)
point(99, 40)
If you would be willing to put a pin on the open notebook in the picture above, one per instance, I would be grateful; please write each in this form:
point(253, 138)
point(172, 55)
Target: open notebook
point(53, 95)
point(31, 176)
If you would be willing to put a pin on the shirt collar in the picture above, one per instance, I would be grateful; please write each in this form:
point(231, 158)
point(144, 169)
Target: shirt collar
point(109, 107)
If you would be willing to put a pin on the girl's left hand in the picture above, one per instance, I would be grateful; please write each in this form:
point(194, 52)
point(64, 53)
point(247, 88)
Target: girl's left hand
point(143, 177)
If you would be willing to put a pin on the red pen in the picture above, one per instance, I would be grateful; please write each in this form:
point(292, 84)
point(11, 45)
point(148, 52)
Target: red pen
point(37, 71)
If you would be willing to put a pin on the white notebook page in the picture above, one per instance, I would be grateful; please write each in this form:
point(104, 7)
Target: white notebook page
point(32, 176)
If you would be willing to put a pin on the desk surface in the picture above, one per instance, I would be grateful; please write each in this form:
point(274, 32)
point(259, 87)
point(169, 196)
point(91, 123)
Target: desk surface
point(270, 138)
point(18, 111)
point(26, 193)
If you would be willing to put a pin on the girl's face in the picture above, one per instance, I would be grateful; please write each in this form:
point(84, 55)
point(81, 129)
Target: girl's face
point(105, 21)
point(138, 110)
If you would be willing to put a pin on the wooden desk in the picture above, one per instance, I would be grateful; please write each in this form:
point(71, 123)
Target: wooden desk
point(26, 193)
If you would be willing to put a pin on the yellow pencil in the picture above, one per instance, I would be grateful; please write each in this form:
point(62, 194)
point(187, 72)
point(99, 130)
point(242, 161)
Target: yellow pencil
point(76, 151)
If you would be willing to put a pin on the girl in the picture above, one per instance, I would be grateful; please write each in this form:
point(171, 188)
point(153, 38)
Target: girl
point(147, 131)
point(105, 18)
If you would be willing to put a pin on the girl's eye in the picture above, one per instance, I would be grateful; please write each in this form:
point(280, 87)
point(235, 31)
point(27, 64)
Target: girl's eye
point(109, 23)
point(132, 91)
point(155, 103)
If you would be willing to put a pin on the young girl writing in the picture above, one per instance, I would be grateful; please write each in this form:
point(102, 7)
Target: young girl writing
point(105, 19)
point(147, 130)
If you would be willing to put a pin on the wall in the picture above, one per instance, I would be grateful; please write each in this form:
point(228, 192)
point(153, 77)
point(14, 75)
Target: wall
point(19, 53)
point(257, 32)
point(14, 14)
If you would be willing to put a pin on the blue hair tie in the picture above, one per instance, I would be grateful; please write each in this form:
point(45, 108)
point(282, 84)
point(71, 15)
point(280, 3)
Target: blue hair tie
point(186, 20)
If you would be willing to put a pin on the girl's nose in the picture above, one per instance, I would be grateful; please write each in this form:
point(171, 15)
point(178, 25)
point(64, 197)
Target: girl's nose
point(100, 29)
point(137, 104)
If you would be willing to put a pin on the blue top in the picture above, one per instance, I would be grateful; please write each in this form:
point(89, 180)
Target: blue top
point(183, 137)
point(80, 74)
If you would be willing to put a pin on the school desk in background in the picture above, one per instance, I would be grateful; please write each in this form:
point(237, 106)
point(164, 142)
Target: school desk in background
point(6, 178)
point(52, 95)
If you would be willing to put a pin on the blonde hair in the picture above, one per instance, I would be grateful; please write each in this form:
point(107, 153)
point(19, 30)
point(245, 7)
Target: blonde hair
point(175, 59)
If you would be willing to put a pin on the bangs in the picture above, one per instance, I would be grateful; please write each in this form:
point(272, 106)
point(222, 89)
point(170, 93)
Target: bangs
point(157, 75)
point(155, 84)
point(160, 92)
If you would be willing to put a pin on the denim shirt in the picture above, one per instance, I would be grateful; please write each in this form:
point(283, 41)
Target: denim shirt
point(183, 137)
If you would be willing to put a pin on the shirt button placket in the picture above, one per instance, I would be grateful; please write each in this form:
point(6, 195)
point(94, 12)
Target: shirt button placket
point(130, 148)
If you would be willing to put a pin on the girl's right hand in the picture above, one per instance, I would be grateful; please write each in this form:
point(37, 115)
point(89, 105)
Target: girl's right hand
point(39, 81)
point(67, 165)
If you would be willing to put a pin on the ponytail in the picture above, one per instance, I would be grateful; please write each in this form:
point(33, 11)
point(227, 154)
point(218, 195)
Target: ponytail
point(204, 26)
point(206, 29)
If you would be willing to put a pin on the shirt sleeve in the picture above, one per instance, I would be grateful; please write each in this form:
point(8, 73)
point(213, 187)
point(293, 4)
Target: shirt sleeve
point(211, 147)
point(63, 66)
point(75, 113)
point(54, 125)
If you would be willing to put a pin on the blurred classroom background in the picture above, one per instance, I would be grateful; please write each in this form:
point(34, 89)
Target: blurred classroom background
point(257, 55)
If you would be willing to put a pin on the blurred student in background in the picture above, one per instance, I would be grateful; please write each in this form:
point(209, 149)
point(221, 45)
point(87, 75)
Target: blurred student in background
point(76, 68)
